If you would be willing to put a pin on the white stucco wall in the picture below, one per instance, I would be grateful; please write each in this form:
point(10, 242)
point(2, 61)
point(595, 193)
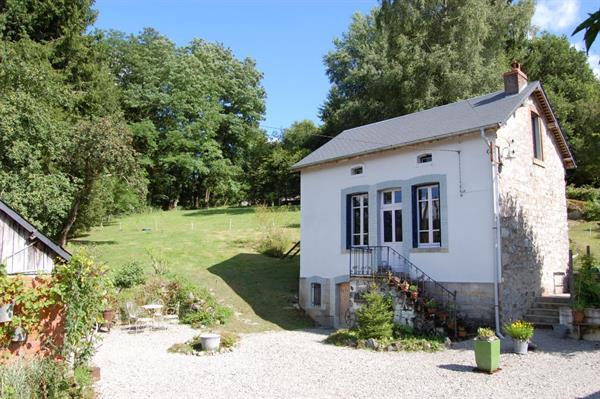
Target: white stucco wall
point(469, 253)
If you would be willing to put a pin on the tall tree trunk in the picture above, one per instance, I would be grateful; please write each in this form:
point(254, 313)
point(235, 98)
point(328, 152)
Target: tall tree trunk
point(82, 195)
point(207, 197)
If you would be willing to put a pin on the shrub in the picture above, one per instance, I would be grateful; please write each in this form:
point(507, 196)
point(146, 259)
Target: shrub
point(375, 317)
point(591, 210)
point(425, 344)
point(229, 340)
point(342, 338)
point(129, 275)
point(275, 242)
point(583, 193)
point(520, 330)
point(43, 378)
point(402, 330)
point(587, 283)
point(81, 284)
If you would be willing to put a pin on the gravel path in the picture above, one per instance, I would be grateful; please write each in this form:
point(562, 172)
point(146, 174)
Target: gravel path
point(296, 364)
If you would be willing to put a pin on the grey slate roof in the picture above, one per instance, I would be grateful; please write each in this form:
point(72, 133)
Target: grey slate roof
point(435, 123)
point(57, 249)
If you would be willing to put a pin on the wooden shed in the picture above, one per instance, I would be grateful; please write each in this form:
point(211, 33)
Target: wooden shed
point(24, 249)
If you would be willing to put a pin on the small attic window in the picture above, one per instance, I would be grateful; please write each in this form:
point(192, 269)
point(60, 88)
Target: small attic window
point(424, 158)
point(357, 170)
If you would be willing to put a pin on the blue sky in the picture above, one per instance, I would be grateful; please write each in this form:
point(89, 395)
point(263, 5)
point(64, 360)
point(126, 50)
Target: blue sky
point(287, 38)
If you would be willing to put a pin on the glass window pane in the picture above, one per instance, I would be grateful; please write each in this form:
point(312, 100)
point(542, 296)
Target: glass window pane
point(366, 240)
point(435, 192)
point(424, 237)
point(435, 210)
point(437, 237)
point(356, 221)
point(355, 201)
point(356, 239)
point(398, 197)
point(365, 200)
point(387, 197)
point(365, 219)
point(423, 216)
point(398, 224)
point(422, 193)
point(387, 226)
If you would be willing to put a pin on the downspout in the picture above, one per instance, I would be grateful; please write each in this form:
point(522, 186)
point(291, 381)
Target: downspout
point(498, 239)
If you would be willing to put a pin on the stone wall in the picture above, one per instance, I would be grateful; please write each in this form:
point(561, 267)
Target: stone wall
point(533, 211)
point(474, 302)
point(325, 314)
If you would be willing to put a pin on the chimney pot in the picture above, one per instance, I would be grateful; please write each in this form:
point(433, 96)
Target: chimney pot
point(514, 80)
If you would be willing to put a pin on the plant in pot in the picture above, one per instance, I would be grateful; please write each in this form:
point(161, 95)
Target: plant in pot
point(487, 350)
point(521, 332)
point(111, 304)
point(414, 291)
point(404, 286)
point(10, 287)
point(432, 306)
point(462, 331)
point(578, 312)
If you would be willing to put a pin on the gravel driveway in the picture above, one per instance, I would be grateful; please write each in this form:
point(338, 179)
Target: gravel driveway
point(296, 364)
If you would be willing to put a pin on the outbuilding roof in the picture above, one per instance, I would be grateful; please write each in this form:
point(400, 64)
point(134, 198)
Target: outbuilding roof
point(463, 116)
point(35, 233)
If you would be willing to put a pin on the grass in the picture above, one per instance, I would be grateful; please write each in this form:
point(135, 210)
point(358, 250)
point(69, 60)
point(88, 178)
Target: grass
point(216, 248)
point(582, 234)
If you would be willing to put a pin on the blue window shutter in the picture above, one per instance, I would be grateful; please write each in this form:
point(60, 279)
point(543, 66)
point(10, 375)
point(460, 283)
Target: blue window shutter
point(415, 214)
point(348, 221)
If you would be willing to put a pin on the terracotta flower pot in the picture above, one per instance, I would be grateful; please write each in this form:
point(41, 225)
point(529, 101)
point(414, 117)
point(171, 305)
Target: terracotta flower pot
point(414, 295)
point(578, 316)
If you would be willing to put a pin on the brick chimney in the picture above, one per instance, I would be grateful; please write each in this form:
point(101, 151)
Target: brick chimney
point(514, 80)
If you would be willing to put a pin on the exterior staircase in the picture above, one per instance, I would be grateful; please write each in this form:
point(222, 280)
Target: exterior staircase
point(544, 311)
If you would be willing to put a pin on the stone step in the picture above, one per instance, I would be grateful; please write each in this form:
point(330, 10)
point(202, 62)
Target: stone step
point(549, 305)
point(543, 311)
point(542, 320)
point(565, 300)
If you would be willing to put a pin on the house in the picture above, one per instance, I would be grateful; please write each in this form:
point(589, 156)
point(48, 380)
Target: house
point(469, 196)
point(24, 249)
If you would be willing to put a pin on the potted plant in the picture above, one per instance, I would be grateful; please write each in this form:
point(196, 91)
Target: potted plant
point(578, 312)
point(108, 314)
point(462, 332)
point(431, 306)
point(487, 350)
point(414, 291)
point(521, 332)
point(404, 286)
point(10, 287)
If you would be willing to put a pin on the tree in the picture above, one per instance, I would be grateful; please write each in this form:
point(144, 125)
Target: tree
point(406, 56)
point(591, 26)
point(100, 147)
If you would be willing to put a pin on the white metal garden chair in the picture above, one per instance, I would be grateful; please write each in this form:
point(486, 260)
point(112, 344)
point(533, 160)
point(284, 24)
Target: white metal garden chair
point(135, 318)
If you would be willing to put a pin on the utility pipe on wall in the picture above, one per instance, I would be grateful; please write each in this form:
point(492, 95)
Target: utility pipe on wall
point(497, 242)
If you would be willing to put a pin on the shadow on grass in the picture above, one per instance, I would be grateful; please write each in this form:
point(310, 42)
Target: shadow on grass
point(93, 242)
point(220, 211)
point(293, 225)
point(268, 285)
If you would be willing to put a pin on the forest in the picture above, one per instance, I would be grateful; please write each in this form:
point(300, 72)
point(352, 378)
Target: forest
point(101, 123)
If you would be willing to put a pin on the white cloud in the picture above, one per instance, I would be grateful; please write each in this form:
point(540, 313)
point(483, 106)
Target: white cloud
point(553, 15)
point(594, 61)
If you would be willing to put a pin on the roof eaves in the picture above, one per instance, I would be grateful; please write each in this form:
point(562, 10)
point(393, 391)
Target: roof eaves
point(14, 215)
point(298, 167)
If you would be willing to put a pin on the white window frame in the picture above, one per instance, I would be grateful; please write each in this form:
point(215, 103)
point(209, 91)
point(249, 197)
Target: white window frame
point(429, 230)
point(362, 233)
point(421, 157)
point(536, 135)
point(393, 207)
point(354, 167)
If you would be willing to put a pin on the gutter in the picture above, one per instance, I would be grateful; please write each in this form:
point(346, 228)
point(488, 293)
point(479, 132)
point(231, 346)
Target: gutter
point(498, 238)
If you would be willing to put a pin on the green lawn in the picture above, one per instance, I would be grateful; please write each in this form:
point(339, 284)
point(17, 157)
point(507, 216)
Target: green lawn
point(585, 233)
point(216, 249)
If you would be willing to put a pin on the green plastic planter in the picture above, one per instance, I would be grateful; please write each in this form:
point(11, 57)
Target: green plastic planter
point(487, 354)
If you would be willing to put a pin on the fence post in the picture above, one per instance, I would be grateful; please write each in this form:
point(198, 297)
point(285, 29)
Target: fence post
point(588, 251)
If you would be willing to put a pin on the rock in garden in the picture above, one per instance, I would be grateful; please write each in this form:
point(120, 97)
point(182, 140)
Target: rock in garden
point(372, 343)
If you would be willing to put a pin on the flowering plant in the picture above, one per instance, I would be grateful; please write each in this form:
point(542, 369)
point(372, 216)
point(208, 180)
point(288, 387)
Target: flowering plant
point(519, 330)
